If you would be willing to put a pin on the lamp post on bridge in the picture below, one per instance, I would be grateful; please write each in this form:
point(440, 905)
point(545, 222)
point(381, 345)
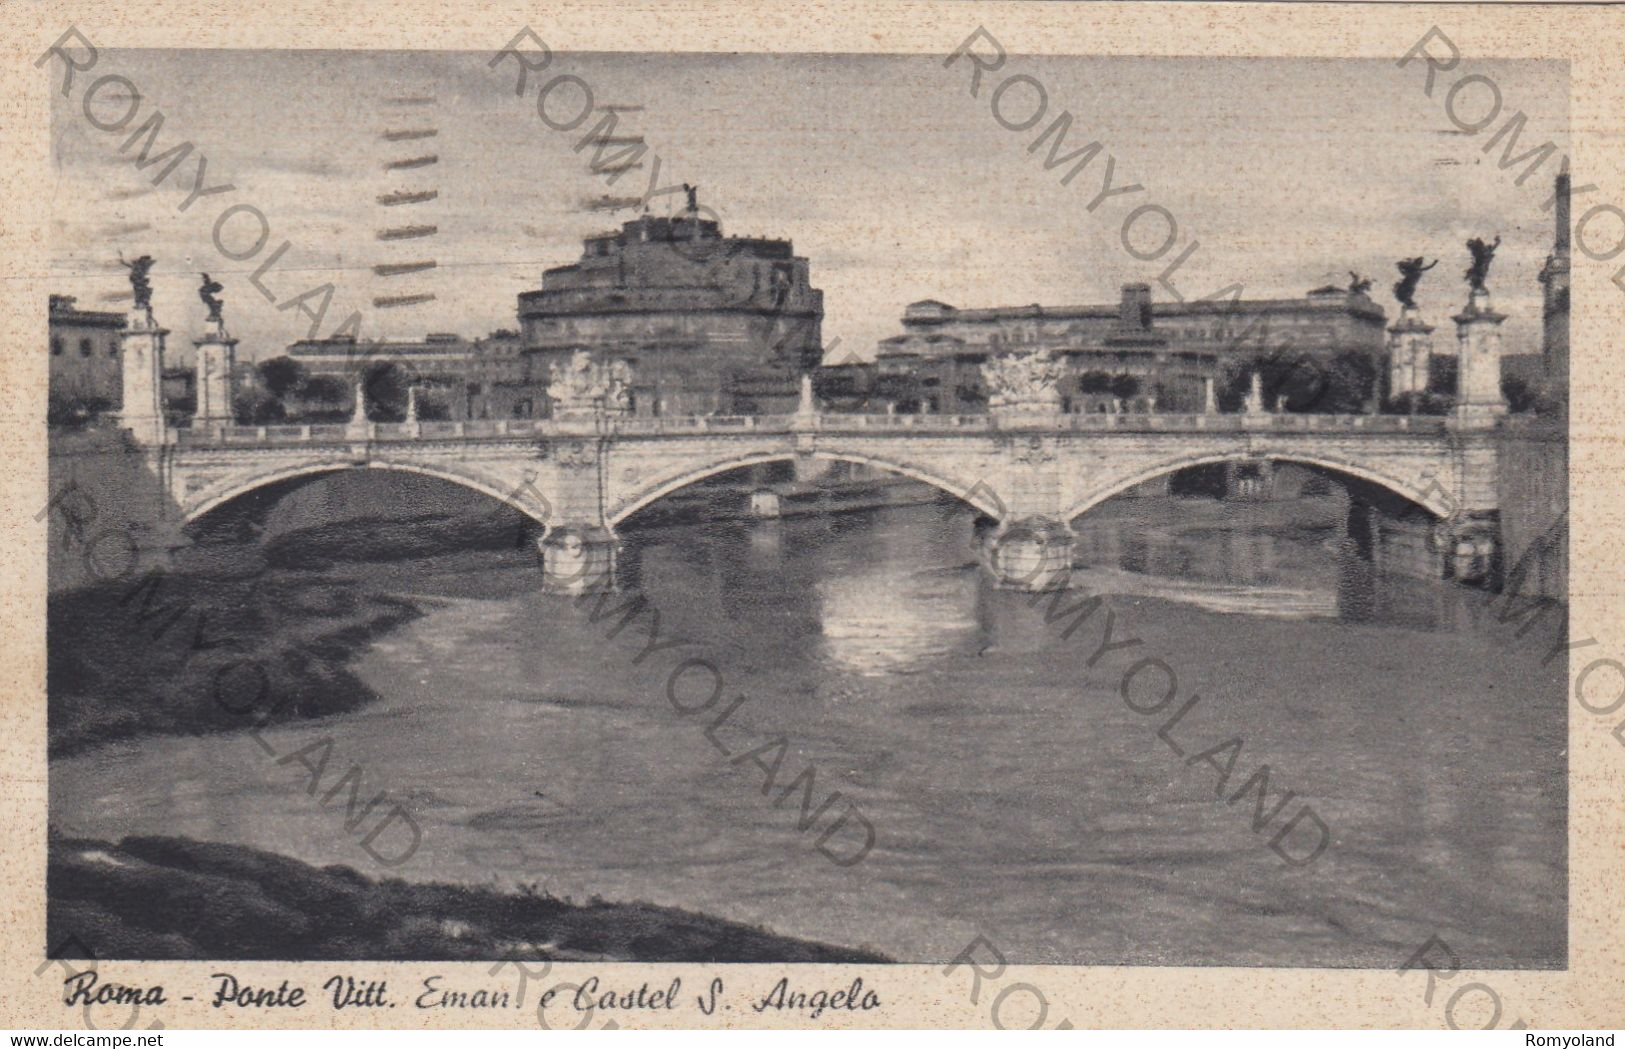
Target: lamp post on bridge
point(357, 426)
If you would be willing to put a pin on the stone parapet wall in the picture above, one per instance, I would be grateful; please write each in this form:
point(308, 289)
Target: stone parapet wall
point(108, 512)
point(1534, 502)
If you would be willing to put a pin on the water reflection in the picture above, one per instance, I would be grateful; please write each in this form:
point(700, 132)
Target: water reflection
point(894, 618)
point(1009, 786)
point(908, 591)
point(905, 594)
point(1294, 560)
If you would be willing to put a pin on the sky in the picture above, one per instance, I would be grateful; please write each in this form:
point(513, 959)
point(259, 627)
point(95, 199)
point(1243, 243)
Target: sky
point(886, 174)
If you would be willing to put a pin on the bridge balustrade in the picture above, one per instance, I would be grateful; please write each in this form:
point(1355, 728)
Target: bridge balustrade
point(828, 422)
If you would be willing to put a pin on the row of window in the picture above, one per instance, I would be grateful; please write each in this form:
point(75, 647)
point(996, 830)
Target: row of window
point(1169, 330)
point(86, 347)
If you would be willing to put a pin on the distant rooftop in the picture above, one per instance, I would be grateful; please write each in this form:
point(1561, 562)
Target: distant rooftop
point(64, 310)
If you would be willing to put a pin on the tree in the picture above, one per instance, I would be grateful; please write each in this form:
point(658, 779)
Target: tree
point(256, 407)
point(1297, 382)
point(325, 398)
point(283, 376)
point(1351, 379)
point(73, 410)
point(1094, 382)
point(327, 391)
point(1442, 370)
point(385, 383)
point(1520, 395)
point(1124, 387)
point(1424, 403)
point(1293, 383)
point(1302, 382)
point(431, 409)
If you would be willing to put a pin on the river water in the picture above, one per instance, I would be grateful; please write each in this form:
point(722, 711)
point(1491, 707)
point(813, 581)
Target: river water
point(1012, 791)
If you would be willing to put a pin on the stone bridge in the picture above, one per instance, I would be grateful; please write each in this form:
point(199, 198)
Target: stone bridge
point(1033, 474)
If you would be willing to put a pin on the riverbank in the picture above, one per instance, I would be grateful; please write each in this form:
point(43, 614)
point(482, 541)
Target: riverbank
point(175, 898)
point(187, 654)
point(179, 651)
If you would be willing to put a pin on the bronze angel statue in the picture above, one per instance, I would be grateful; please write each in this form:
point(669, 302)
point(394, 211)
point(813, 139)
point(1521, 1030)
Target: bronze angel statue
point(210, 294)
point(1410, 271)
point(1358, 285)
point(1483, 255)
point(139, 284)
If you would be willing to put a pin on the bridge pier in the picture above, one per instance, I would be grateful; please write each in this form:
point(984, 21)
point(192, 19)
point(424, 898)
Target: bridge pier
point(1472, 549)
point(766, 503)
point(578, 559)
point(1030, 554)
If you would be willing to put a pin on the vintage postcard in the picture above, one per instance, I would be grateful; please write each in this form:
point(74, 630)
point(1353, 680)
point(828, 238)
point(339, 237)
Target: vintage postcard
point(823, 516)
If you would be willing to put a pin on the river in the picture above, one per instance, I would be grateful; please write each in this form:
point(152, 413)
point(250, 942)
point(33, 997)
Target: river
point(1013, 793)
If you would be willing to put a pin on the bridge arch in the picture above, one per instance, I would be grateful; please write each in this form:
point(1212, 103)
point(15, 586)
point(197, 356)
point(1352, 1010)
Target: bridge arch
point(238, 487)
point(982, 500)
point(1435, 499)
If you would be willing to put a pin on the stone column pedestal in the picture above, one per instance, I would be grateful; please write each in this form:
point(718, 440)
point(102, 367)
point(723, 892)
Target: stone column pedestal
point(142, 360)
point(1410, 354)
point(216, 357)
point(1478, 375)
point(578, 559)
point(1031, 554)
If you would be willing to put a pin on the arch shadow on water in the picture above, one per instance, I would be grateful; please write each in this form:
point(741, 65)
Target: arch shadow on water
point(318, 517)
point(1252, 531)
